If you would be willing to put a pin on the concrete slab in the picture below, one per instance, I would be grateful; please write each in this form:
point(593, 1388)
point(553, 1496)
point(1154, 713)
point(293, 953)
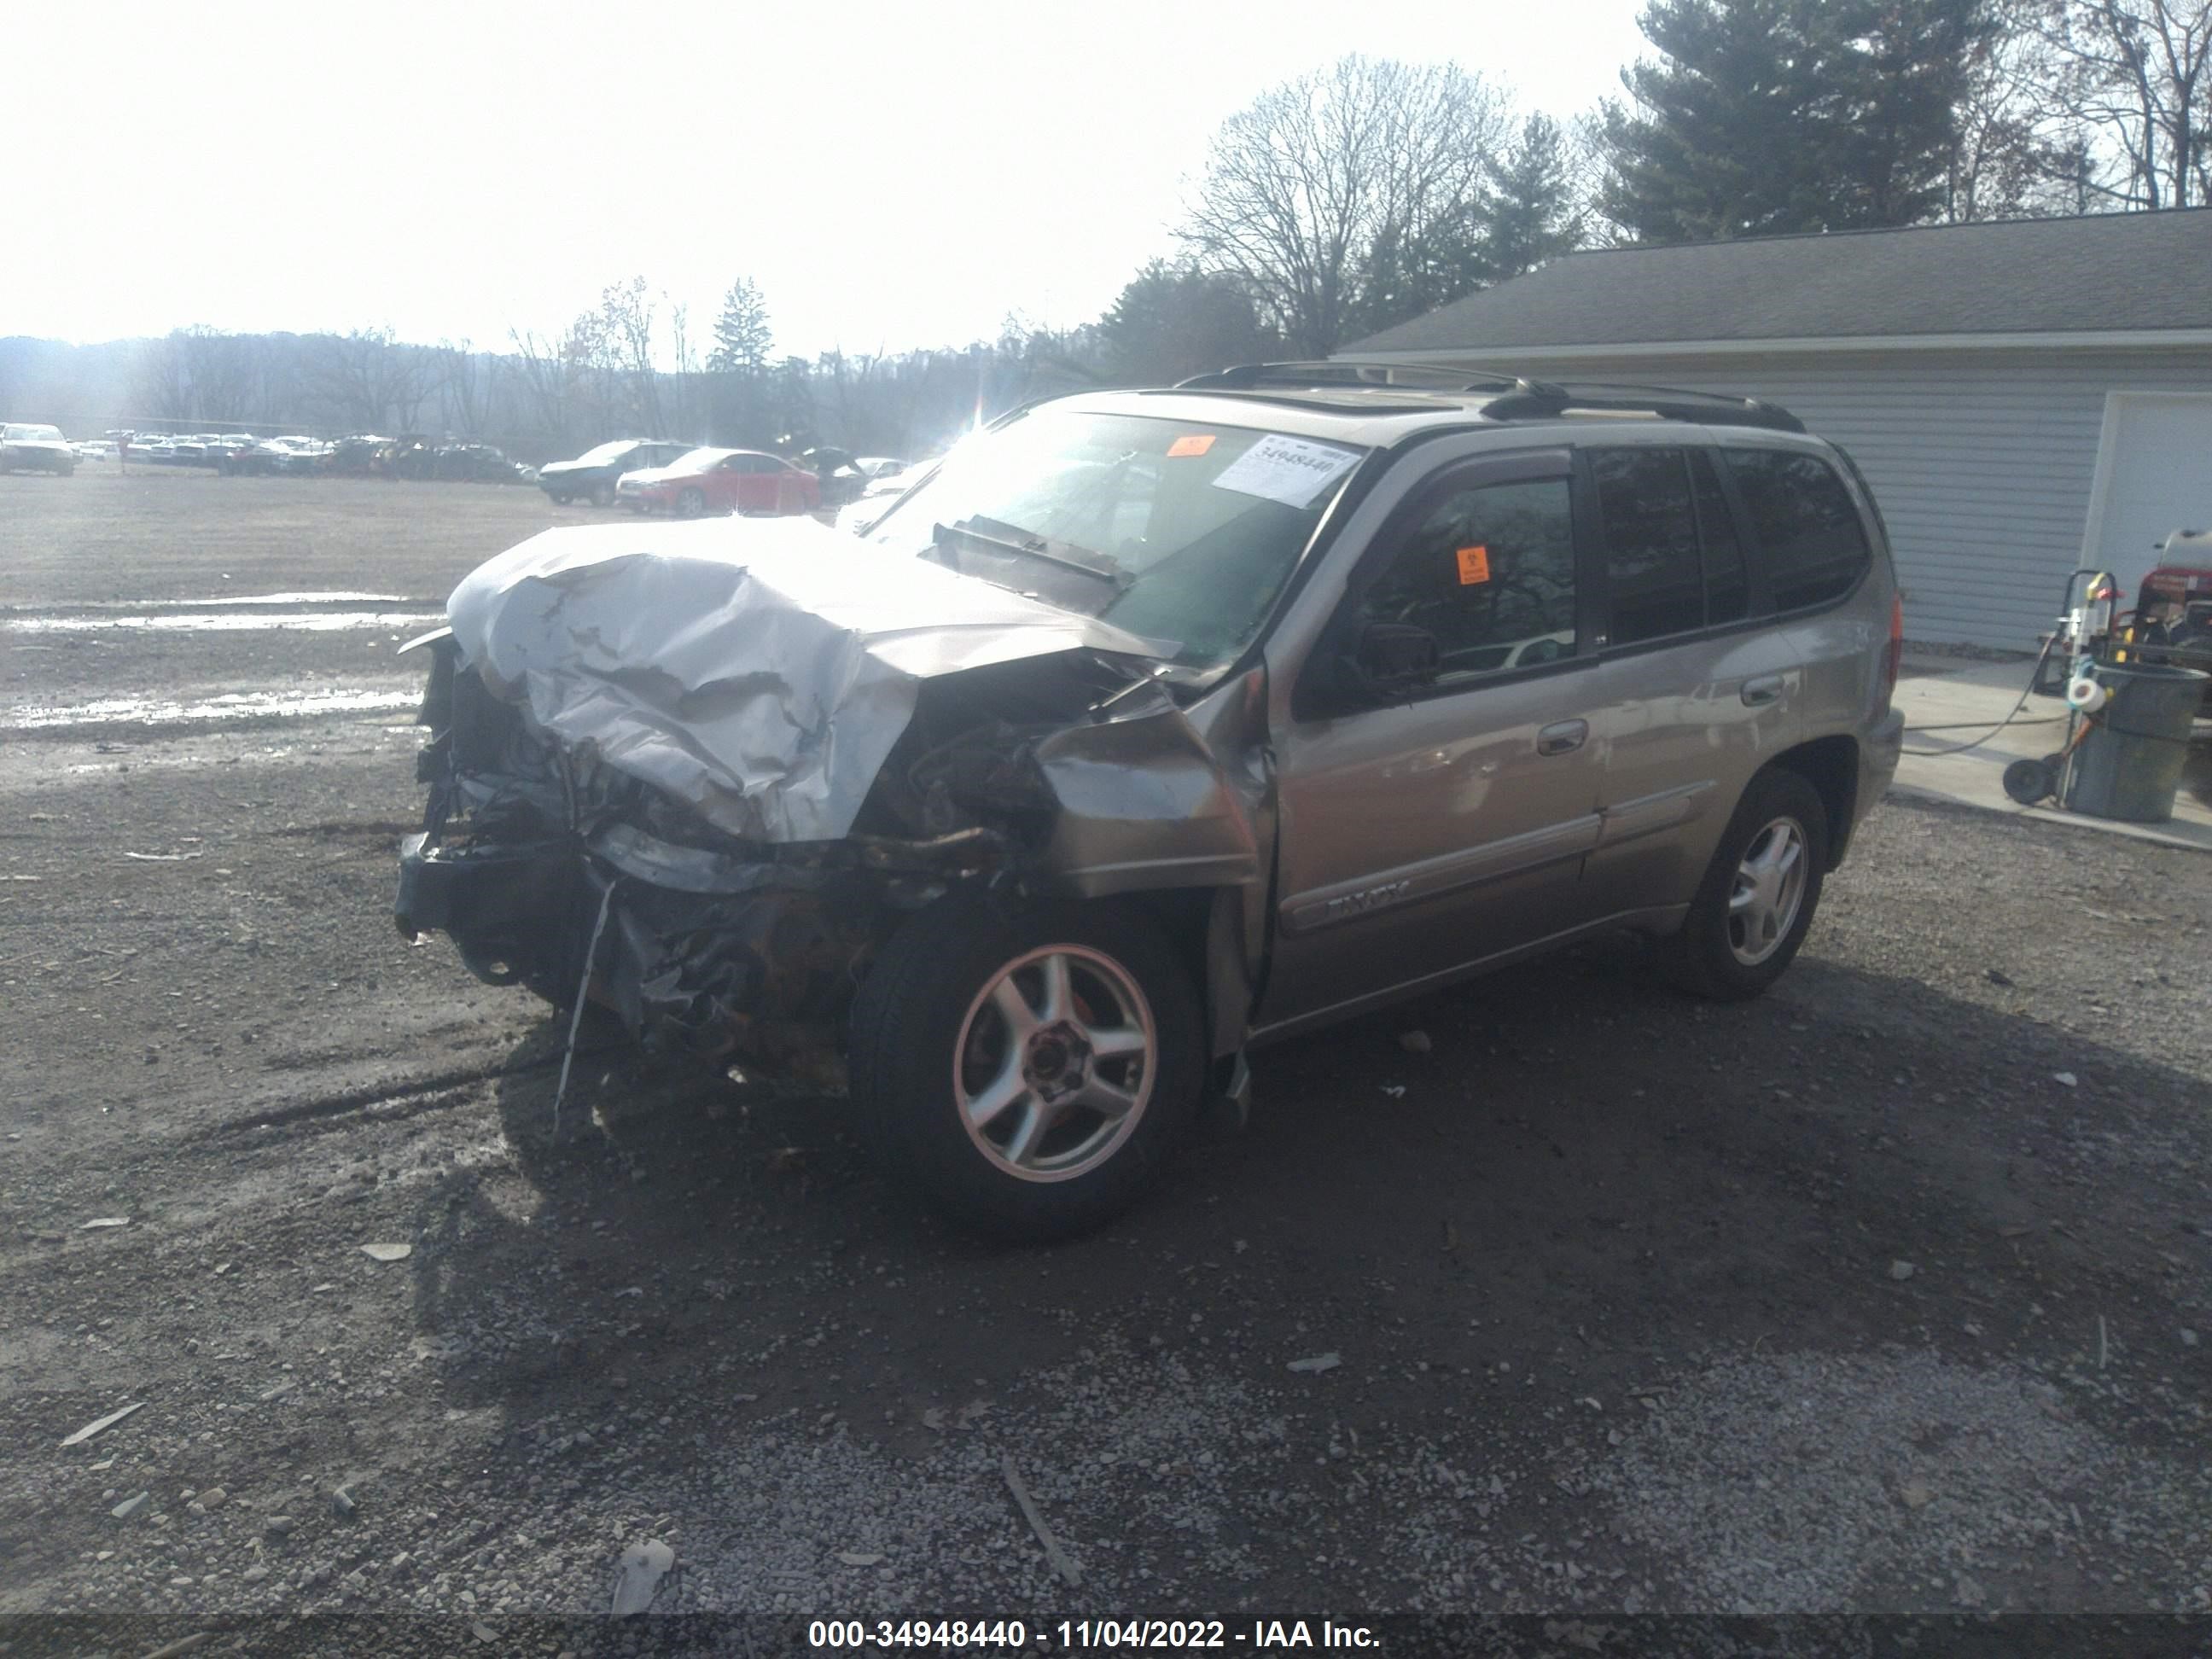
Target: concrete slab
point(1948, 701)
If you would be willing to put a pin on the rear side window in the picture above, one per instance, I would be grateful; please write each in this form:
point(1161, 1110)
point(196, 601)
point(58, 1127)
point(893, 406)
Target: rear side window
point(1804, 523)
point(1650, 542)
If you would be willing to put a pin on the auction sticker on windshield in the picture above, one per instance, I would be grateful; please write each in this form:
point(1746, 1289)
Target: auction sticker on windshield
point(1291, 470)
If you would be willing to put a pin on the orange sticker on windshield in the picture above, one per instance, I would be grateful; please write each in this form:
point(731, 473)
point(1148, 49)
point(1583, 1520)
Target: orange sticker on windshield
point(1191, 443)
point(1474, 565)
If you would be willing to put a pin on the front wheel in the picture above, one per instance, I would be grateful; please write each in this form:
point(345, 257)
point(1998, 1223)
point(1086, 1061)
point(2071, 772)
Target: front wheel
point(691, 503)
point(1028, 1072)
point(560, 497)
point(1756, 904)
point(603, 494)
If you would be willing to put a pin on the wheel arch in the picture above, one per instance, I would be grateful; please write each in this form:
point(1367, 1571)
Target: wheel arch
point(1830, 765)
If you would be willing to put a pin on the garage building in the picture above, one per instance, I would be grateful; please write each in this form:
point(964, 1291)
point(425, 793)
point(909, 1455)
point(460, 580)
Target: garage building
point(2025, 396)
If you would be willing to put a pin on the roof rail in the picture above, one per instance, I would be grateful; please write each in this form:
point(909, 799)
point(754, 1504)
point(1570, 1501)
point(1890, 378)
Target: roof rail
point(1518, 398)
point(1543, 402)
point(1344, 371)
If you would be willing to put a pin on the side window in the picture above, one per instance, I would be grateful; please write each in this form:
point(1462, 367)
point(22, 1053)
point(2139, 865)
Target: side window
point(1728, 590)
point(1489, 570)
point(1650, 542)
point(1804, 523)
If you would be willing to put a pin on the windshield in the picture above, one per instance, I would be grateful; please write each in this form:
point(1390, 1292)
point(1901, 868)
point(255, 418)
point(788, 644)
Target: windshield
point(35, 434)
point(1180, 532)
point(698, 461)
point(604, 453)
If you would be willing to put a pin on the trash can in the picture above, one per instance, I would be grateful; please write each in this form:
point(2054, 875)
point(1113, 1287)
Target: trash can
point(2129, 763)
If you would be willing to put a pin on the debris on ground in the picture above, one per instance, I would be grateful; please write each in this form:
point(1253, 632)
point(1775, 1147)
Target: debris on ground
point(1062, 1562)
point(99, 1221)
point(107, 1422)
point(1395, 1091)
point(2066, 1078)
point(130, 1506)
point(1901, 1271)
point(1320, 1361)
point(387, 1252)
point(643, 1566)
point(341, 1501)
point(1415, 1042)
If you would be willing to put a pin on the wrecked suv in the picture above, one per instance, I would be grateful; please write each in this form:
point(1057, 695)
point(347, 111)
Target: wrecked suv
point(1154, 725)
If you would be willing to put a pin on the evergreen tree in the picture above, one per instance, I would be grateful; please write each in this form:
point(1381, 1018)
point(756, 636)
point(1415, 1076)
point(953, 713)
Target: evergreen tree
point(742, 338)
point(1171, 322)
point(1531, 215)
point(1765, 117)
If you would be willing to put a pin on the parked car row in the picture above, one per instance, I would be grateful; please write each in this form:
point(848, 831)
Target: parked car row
point(651, 475)
point(359, 455)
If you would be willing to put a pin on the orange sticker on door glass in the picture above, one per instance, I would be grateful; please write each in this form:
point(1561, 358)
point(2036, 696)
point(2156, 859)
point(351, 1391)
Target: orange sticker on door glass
point(1474, 565)
point(1191, 443)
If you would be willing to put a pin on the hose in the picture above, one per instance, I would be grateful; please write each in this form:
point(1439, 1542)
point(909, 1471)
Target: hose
point(2027, 692)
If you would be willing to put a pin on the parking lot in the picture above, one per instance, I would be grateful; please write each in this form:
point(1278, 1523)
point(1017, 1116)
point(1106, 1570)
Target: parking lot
point(1888, 1291)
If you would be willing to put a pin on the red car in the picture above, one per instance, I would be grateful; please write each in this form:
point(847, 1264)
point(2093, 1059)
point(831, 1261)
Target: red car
point(720, 480)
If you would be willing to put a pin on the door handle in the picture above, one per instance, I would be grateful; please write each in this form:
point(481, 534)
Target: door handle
point(1766, 688)
point(1562, 738)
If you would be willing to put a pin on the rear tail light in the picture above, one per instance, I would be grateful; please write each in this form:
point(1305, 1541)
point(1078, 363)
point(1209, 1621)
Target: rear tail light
point(1894, 655)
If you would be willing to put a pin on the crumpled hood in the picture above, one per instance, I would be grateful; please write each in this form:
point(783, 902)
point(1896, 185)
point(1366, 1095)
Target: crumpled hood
point(759, 669)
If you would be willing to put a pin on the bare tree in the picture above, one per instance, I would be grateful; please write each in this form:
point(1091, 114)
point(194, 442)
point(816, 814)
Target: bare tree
point(2134, 79)
point(547, 376)
point(164, 379)
point(466, 384)
point(370, 380)
point(1330, 189)
point(626, 320)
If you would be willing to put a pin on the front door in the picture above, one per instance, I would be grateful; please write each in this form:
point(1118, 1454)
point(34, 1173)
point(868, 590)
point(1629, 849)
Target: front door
point(1421, 835)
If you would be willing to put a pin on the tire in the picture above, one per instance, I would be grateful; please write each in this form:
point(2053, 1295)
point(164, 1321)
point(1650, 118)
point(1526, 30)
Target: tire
point(1742, 932)
point(691, 503)
point(930, 1044)
point(560, 497)
point(603, 494)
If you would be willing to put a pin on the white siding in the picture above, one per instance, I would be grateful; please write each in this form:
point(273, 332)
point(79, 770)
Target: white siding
point(1982, 460)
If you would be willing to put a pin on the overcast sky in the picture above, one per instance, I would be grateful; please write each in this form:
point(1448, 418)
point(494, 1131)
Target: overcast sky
point(905, 175)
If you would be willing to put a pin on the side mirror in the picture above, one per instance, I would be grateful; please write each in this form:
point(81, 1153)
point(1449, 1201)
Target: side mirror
point(1391, 660)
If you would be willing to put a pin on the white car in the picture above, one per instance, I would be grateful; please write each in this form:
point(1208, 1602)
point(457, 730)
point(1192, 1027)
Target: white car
point(24, 448)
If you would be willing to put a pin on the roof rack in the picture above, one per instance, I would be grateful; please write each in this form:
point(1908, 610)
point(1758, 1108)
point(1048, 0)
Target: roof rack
point(1518, 398)
point(1344, 371)
point(1543, 402)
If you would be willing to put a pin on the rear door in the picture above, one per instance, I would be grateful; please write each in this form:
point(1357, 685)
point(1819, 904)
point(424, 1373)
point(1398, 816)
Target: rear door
point(1421, 835)
point(1695, 687)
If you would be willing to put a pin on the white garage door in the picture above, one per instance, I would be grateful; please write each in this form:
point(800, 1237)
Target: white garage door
point(2154, 476)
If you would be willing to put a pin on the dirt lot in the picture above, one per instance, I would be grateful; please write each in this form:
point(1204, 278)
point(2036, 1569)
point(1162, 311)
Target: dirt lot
point(1886, 1292)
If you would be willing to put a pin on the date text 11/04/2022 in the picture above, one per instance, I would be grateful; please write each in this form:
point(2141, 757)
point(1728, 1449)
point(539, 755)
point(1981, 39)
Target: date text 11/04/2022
point(1260, 1636)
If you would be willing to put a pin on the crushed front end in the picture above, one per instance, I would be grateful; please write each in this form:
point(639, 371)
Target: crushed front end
point(701, 779)
point(535, 859)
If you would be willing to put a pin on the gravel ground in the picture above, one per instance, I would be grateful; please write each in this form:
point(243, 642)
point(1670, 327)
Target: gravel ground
point(1887, 1292)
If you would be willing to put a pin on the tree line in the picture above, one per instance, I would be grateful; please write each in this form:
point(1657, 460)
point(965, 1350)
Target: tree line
point(1333, 206)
